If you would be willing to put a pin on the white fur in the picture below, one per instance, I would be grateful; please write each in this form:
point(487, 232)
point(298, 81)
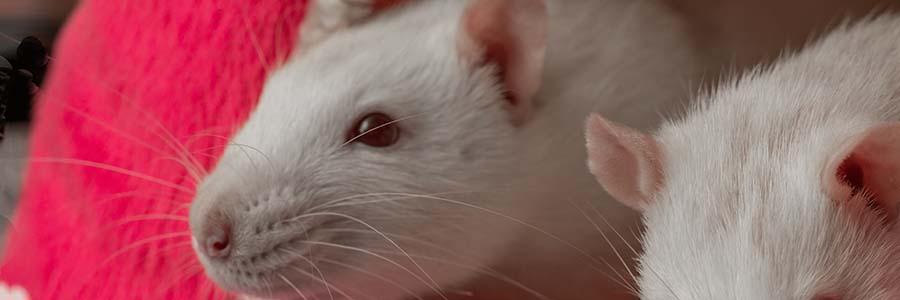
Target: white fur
point(745, 212)
point(629, 59)
point(12, 292)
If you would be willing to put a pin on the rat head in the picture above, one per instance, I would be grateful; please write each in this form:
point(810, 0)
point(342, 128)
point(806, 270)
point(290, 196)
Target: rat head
point(372, 158)
point(737, 210)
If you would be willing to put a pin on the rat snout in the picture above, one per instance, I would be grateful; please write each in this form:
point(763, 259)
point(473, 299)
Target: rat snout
point(215, 235)
point(231, 228)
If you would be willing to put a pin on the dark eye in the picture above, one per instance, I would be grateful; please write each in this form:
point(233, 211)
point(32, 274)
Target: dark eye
point(376, 130)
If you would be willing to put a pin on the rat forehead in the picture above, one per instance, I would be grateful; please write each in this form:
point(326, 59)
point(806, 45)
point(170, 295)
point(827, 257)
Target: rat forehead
point(755, 196)
point(346, 65)
point(768, 252)
point(384, 45)
point(724, 156)
point(750, 189)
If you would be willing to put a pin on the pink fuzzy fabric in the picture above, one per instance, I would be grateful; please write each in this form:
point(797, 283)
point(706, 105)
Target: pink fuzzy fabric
point(134, 87)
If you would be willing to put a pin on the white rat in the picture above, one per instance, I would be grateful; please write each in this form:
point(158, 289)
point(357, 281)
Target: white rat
point(435, 143)
point(784, 185)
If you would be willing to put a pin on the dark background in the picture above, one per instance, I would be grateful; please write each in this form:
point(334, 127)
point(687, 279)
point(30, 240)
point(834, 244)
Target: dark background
point(19, 19)
point(40, 19)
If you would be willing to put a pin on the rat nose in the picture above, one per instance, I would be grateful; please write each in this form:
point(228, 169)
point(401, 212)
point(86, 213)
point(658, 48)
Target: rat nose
point(216, 240)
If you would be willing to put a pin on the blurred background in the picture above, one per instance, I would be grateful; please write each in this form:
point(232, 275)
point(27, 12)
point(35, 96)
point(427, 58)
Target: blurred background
point(19, 19)
point(39, 18)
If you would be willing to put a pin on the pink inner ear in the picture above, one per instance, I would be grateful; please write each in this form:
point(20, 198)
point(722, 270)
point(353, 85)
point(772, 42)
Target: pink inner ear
point(871, 168)
point(625, 161)
point(513, 35)
point(851, 174)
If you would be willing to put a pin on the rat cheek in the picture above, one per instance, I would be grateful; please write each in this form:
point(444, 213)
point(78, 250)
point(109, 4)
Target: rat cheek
point(467, 154)
point(829, 294)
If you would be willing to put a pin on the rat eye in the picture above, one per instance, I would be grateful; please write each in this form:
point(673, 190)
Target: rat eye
point(376, 130)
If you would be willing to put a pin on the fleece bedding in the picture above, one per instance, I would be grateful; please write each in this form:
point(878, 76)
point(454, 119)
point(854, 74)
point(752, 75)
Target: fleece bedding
point(139, 102)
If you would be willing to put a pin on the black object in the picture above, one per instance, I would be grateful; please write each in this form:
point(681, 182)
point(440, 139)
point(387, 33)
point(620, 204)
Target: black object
point(19, 83)
point(5, 71)
point(32, 56)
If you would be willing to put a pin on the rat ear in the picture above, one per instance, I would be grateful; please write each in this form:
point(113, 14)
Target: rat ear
point(512, 34)
point(325, 17)
point(625, 161)
point(869, 171)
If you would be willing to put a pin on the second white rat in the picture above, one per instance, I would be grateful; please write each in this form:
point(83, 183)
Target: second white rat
point(784, 185)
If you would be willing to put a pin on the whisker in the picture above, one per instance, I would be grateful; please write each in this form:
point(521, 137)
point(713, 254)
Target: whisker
point(206, 132)
point(635, 252)
point(328, 285)
point(85, 279)
point(197, 170)
point(141, 243)
point(316, 268)
point(230, 143)
point(610, 226)
point(389, 240)
point(190, 164)
point(268, 285)
point(186, 163)
point(205, 150)
point(372, 274)
point(111, 168)
point(12, 226)
point(353, 139)
point(261, 153)
point(613, 247)
point(234, 144)
point(291, 284)
point(151, 217)
point(371, 253)
point(113, 129)
point(175, 246)
point(663, 281)
point(651, 270)
point(211, 156)
point(53, 285)
point(281, 54)
point(481, 270)
point(129, 137)
point(195, 177)
point(187, 271)
point(484, 270)
point(144, 194)
point(253, 40)
point(509, 218)
point(183, 206)
point(12, 39)
point(336, 203)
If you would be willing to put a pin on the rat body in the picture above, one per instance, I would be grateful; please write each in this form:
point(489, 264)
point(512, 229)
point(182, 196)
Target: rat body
point(782, 185)
point(436, 143)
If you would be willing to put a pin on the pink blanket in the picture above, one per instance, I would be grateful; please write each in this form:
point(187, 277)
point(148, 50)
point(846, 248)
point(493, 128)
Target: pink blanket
point(140, 96)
